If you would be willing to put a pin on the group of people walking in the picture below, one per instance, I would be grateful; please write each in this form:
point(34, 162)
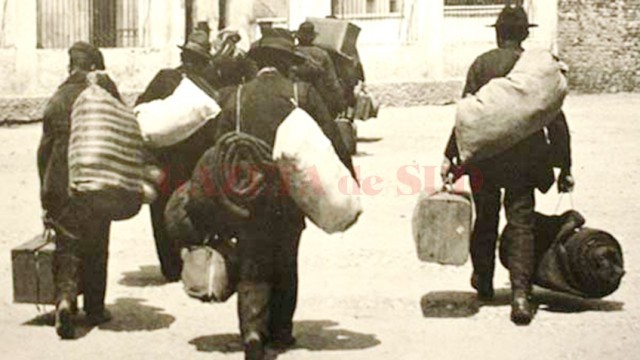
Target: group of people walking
point(273, 77)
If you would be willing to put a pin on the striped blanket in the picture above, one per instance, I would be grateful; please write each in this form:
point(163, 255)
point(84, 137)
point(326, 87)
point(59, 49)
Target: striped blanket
point(105, 154)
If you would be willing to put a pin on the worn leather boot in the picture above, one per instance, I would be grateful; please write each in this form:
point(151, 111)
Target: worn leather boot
point(98, 317)
point(253, 347)
point(64, 322)
point(253, 313)
point(483, 284)
point(521, 309)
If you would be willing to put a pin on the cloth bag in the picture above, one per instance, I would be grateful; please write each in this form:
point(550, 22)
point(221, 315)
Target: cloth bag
point(168, 121)
point(210, 270)
point(507, 110)
point(106, 161)
point(311, 171)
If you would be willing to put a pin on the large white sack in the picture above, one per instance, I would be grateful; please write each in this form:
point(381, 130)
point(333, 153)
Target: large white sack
point(507, 110)
point(170, 120)
point(312, 171)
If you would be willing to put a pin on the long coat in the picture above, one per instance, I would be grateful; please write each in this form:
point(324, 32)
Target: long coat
point(53, 166)
point(531, 161)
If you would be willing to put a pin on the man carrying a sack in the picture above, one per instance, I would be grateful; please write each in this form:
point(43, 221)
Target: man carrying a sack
point(82, 238)
point(319, 70)
point(177, 161)
point(268, 238)
point(519, 171)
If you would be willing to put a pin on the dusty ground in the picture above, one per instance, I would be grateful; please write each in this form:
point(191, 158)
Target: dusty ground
point(361, 291)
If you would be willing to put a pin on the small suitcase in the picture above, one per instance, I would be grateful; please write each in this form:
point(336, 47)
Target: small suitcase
point(348, 133)
point(366, 107)
point(336, 35)
point(32, 264)
point(442, 227)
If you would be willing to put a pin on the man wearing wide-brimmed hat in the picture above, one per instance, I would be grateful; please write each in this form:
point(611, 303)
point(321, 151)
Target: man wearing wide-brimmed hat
point(519, 171)
point(268, 241)
point(318, 69)
point(178, 161)
point(81, 243)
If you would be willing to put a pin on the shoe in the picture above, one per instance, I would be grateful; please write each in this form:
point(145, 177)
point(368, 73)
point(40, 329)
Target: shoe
point(254, 349)
point(99, 317)
point(521, 311)
point(64, 325)
point(483, 285)
point(282, 342)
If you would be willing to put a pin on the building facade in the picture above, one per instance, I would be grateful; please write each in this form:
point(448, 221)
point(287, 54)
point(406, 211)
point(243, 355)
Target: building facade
point(404, 44)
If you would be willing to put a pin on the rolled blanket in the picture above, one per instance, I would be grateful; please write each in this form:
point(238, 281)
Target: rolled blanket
point(572, 259)
point(592, 261)
point(236, 174)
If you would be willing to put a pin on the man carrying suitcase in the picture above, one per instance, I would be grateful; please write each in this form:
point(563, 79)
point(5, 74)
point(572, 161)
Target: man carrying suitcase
point(82, 238)
point(519, 171)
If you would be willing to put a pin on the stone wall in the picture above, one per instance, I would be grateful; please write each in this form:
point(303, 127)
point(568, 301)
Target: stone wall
point(600, 40)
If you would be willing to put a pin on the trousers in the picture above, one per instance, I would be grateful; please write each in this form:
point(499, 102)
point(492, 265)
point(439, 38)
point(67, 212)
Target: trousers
point(519, 204)
point(80, 257)
point(268, 276)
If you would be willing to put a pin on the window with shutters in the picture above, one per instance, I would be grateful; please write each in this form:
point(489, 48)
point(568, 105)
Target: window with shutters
point(105, 23)
point(353, 9)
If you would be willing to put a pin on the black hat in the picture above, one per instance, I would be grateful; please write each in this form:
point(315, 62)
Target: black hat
point(306, 29)
point(84, 49)
point(198, 43)
point(513, 16)
point(277, 39)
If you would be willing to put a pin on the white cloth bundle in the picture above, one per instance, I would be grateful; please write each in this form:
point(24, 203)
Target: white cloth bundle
point(312, 170)
point(168, 121)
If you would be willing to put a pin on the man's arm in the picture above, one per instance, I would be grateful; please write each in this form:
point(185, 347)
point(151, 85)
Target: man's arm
point(162, 85)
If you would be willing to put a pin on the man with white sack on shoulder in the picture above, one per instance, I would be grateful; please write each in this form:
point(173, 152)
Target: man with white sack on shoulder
point(268, 237)
point(514, 160)
point(178, 159)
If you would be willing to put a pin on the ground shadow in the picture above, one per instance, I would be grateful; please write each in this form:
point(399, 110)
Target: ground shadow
point(368, 139)
point(128, 314)
point(148, 275)
point(456, 304)
point(313, 335)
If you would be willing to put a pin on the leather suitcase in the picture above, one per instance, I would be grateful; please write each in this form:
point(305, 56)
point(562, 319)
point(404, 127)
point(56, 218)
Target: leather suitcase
point(32, 265)
point(336, 35)
point(442, 227)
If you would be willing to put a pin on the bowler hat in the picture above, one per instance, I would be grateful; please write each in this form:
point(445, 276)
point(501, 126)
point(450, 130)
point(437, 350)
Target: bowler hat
point(280, 40)
point(198, 43)
point(513, 16)
point(307, 29)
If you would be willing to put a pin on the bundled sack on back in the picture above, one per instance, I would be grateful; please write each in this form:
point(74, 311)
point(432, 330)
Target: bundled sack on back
point(312, 172)
point(571, 258)
point(507, 110)
point(106, 160)
point(168, 121)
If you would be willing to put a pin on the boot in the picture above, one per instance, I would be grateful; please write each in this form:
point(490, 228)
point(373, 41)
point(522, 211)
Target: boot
point(63, 323)
point(66, 287)
point(253, 347)
point(253, 313)
point(483, 284)
point(98, 317)
point(521, 310)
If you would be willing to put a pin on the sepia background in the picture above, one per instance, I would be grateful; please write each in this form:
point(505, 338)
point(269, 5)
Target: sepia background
point(361, 292)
